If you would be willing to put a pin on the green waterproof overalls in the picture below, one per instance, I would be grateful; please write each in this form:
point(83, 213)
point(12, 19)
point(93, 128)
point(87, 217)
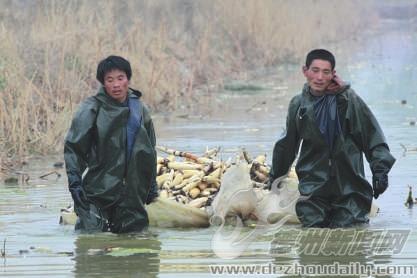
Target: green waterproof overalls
point(116, 187)
point(332, 184)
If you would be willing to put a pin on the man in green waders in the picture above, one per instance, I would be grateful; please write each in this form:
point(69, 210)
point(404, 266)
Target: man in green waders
point(336, 128)
point(110, 155)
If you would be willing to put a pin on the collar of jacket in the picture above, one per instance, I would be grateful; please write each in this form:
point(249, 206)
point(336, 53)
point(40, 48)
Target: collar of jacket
point(104, 97)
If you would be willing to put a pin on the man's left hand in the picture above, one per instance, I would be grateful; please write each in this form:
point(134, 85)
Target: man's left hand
point(379, 184)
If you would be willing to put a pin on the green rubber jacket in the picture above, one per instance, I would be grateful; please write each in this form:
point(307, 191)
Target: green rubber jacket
point(96, 141)
point(317, 164)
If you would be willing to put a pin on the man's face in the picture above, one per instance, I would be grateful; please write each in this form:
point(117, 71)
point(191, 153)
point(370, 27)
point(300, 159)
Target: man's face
point(319, 75)
point(116, 84)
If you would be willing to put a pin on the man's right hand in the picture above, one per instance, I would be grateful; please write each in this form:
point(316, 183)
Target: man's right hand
point(78, 195)
point(269, 183)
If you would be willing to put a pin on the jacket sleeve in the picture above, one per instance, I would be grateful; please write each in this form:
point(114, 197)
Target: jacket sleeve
point(78, 141)
point(286, 148)
point(151, 134)
point(368, 136)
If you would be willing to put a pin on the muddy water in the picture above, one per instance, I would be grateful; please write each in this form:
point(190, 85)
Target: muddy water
point(384, 73)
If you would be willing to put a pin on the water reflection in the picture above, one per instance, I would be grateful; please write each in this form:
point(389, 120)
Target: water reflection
point(109, 255)
point(341, 252)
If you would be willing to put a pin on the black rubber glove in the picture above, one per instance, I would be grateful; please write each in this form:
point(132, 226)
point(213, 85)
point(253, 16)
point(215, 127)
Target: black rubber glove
point(273, 183)
point(269, 182)
point(379, 184)
point(78, 195)
point(153, 194)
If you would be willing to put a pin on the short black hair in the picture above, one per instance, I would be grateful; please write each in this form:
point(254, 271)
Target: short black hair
point(321, 54)
point(111, 63)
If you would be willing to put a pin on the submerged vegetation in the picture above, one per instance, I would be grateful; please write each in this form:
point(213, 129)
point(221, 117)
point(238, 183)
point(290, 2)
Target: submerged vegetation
point(49, 51)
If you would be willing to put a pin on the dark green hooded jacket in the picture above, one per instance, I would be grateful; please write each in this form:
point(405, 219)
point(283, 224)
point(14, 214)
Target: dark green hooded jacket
point(96, 141)
point(337, 173)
